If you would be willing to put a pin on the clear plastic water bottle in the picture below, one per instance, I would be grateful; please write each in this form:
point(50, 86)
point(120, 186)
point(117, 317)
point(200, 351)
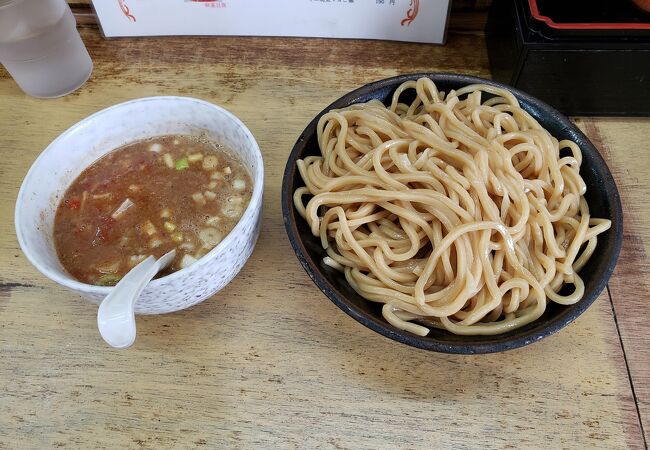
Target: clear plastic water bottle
point(41, 48)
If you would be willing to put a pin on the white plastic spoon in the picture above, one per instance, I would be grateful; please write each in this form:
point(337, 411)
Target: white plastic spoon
point(116, 316)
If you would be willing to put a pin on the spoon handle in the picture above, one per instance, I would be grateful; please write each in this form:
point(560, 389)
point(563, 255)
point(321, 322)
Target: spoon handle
point(116, 317)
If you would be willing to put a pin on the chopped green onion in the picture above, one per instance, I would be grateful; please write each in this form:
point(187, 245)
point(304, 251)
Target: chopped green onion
point(155, 243)
point(199, 198)
point(210, 162)
point(238, 184)
point(109, 279)
point(187, 261)
point(149, 228)
point(182, 164)
point(214, 220)
point(109, 267)
point(210, 237)
point(169, 161)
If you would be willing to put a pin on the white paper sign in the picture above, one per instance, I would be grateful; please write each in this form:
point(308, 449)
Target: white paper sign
point(399, 20)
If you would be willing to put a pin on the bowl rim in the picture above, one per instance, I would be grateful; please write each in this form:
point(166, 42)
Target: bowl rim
point(71, 283)
point(382, 327)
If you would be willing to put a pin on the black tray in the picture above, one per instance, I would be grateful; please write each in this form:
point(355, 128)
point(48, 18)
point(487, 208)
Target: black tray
point(593, 73)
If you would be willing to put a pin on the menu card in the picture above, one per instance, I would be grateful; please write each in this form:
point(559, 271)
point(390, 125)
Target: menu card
point(399, 20)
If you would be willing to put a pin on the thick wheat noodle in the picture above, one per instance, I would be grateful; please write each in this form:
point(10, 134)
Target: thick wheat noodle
point(455, 211)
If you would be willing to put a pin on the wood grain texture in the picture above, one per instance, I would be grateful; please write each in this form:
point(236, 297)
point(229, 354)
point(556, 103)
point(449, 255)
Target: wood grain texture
point(625, 144)
point(270, 362)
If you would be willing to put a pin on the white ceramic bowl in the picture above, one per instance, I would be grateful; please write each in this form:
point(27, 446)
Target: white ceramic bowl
point(82, 144)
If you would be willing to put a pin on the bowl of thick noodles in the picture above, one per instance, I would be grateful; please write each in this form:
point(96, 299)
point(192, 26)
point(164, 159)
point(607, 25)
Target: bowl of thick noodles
point(452, 213)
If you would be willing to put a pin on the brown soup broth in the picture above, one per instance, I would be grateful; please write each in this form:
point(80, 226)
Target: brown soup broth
point(147, 198)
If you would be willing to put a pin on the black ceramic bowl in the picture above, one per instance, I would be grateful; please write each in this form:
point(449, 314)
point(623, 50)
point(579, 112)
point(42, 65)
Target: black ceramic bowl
point(602, 197)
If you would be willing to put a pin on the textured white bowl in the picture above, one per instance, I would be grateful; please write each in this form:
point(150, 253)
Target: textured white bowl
point(82, 144)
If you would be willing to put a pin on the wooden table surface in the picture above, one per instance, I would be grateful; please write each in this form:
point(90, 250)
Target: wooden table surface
point(270, 362)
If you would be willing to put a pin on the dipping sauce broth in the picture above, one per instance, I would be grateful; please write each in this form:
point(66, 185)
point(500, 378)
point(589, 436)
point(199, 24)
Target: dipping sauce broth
point(147, 198)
